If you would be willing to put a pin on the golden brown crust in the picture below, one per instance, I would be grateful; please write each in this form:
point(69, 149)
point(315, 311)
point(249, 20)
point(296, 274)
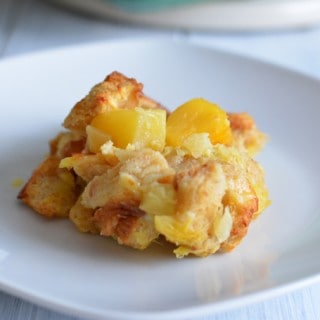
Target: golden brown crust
point(116, 91)
point(65, 144)
point(50, 191)
point(242, 217)
point(88, 166)
point(126, 223)
point(246, 135)
point(83, 218)
point(119, 219)
point(241, 121)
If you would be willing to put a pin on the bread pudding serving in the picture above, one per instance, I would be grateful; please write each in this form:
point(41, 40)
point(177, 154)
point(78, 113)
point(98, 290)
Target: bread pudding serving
point(126, 168)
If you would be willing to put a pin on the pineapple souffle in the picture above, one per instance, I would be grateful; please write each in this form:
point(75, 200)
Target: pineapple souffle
point(126, 168)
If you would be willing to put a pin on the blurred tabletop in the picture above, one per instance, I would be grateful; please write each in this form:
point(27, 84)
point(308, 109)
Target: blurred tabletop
point(33, 25)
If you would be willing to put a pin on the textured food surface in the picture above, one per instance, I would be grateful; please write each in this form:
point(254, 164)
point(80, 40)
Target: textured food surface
point(128, 169)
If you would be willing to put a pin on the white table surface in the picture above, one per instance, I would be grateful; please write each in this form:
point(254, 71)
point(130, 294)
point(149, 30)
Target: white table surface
point(31, 25)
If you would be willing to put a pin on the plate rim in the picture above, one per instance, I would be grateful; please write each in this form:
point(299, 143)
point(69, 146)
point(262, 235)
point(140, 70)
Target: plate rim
point(205, 309)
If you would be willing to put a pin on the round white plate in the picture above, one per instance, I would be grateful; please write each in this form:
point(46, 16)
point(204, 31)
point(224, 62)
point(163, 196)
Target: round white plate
point(231, 15)
point(50, 263)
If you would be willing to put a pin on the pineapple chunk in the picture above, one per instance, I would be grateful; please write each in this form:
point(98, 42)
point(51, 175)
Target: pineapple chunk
point(198, 145)
point(223, 225)
point(96, 138)
point(159, 199)
point(180, 230)
point(198, 116)
point(139, 127)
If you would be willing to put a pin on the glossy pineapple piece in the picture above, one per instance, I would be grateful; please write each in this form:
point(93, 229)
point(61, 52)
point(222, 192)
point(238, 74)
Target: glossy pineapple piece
point(138, 127)
point(198, 116)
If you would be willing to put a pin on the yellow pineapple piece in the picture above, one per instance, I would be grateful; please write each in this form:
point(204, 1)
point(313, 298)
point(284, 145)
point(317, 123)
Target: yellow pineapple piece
point(179, 230)
point(198, 145)
point(159, 199)
point(198, 116)
point(96, 138)
point(139, 127)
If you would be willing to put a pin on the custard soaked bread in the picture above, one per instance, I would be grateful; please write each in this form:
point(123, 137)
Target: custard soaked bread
point(127, 168)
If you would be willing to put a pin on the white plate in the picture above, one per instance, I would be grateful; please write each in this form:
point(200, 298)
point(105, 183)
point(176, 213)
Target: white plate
point(50, 263)
point(231, 15)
